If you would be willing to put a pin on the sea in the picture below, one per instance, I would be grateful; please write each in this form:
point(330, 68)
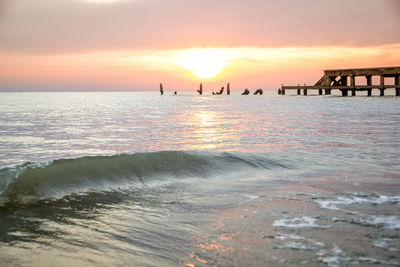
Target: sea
point(143, 179)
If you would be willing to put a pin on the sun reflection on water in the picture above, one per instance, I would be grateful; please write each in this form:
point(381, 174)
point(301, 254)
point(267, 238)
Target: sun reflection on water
point(208, 129)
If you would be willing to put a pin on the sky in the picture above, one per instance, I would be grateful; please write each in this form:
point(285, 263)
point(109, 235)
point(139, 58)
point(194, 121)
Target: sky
point(136, 44)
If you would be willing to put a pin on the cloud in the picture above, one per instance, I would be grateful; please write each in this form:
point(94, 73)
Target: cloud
point(52, 26)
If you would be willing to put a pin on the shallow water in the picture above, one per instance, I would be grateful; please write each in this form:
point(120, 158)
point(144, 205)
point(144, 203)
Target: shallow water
point(134, 178)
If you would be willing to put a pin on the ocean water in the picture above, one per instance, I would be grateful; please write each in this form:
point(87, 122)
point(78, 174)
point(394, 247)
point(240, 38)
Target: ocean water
point(139, 179)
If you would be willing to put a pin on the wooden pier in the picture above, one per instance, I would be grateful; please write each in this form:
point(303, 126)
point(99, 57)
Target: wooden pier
point(345, 81)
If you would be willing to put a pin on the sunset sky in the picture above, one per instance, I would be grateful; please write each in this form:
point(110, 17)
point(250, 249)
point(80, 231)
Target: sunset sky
point(136, 44)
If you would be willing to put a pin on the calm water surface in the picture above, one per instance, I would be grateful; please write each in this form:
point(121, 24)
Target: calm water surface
point(134, 178)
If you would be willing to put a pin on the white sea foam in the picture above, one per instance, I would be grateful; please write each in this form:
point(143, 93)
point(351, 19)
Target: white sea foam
point(333, 204)
point(337, 257)
point(370, 260)
point(334, 257)
point(303, 222)
point(298, 246)
point(296, 237)
point(388, 222)
point(386, 243)
point(249, 198)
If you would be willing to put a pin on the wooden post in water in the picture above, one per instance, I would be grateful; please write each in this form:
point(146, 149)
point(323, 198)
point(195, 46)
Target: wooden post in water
point(320, 91)
point(345, 92)
point(369, 80)
point(161, 89)
point(343, 80)
point(352, 81)
point(369, 83)
point(228, 89)
point(200, 91)
point(397, 83)
point(382, 86)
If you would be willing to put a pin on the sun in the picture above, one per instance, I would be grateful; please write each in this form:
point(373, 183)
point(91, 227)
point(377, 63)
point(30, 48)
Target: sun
point(204, 63)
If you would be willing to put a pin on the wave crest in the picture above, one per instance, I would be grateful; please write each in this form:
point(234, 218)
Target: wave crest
point(31, 182)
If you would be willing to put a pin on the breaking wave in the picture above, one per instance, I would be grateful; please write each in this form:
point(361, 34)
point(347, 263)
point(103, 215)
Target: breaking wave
point(31, 182)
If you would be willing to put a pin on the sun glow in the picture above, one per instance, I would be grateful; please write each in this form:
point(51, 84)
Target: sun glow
point(204, 63)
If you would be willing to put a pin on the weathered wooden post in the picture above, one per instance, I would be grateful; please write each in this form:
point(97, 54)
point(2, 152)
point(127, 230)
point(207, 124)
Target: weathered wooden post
point(397, 83)
point(352, 84)
point(369, 83)
point(352, 81)
point(283, 91)
point(200, 91)
point(344, 92)
point(161, 89)
point(320, 91)
point(343, 80)
point(279, 91)
point(382, 81)
point(382, 86)
point(369, 80)
point(305, 91)
point(228, 89)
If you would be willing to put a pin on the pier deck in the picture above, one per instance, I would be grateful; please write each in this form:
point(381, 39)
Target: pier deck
point(344, 80)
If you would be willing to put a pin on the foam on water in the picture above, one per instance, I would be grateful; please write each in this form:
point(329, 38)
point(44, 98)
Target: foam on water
point(337, 257)
point(386, 243)
point(391, 222)
point(297, 246)
point(387, 222)
point(302, 222)
point(352, 199)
